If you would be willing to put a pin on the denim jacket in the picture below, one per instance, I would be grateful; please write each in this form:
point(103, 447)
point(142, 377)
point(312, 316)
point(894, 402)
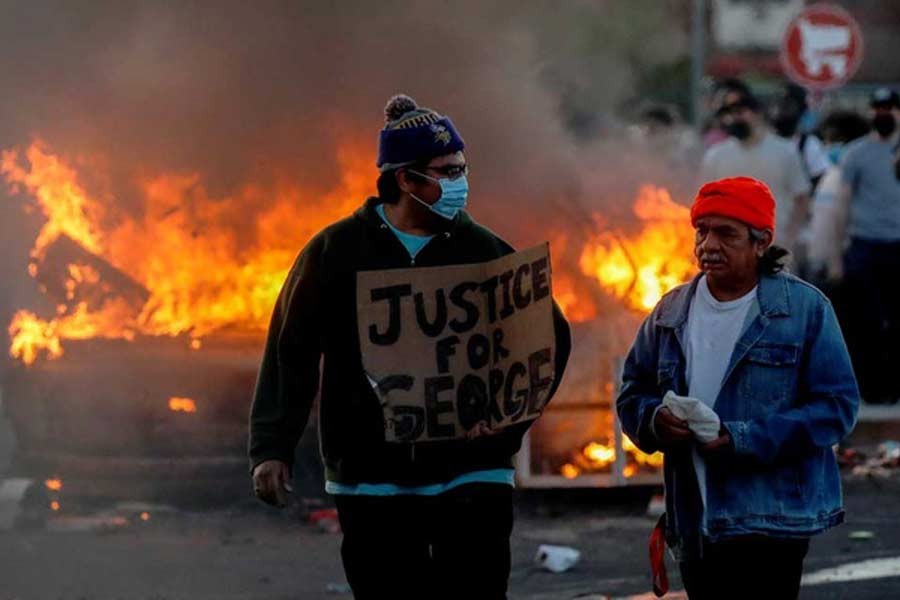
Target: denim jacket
point(789, 394)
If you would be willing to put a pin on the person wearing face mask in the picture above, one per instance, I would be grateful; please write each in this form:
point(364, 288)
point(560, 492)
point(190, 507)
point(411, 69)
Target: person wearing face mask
point(419, 521)
point(838, 129)
point(723, 88)
point(868, 206)
point(787, 115)
point(753, 150)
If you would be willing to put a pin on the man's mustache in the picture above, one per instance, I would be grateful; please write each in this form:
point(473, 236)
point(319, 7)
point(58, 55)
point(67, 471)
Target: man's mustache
point(712, 257)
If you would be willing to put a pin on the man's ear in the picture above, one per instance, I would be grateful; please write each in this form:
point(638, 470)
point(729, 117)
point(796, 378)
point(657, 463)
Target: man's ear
point(403, 179)
point(765, 242)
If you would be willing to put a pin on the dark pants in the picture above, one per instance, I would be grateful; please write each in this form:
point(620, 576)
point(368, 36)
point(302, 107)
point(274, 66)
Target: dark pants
point(871, 316)
point(453, 545)
point(746, 567)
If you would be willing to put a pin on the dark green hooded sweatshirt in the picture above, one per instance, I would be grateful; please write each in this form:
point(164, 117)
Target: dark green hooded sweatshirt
point(315, 322)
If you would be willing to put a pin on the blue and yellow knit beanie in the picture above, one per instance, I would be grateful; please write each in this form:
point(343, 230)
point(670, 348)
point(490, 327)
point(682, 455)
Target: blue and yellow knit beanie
point(412, 134)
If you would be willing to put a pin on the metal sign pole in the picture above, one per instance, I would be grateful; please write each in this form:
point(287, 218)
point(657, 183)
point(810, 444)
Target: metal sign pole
point(618, 468)
point(698, 60)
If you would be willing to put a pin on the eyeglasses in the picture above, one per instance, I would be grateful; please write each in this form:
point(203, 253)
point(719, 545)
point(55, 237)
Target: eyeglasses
point(449, 171)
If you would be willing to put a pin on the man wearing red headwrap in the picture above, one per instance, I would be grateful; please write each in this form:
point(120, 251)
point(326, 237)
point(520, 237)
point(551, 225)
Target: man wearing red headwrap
point(742, 379)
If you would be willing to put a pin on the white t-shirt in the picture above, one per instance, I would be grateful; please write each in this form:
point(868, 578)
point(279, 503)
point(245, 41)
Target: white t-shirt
point(773, 160)
point(822, 230)
point(713, 330)
point(814, 156)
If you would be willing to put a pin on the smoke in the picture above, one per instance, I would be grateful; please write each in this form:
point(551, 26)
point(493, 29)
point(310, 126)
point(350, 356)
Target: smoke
point(263, 92)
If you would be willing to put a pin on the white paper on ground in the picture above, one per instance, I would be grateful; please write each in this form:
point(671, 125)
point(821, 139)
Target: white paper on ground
point(556, 558)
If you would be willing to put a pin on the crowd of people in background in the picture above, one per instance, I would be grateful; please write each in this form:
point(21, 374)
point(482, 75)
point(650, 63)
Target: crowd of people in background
point(836, 179)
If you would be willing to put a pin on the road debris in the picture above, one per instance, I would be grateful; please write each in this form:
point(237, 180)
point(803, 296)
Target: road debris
point(556, 559)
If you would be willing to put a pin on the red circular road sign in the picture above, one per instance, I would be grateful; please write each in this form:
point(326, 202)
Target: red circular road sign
point(822, 47)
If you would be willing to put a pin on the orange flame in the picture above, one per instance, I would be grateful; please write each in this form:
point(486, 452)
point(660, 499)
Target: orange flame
point(600, 454)
point(570, 471)
point(207, 263)
point(204, 269)
point(32, 335)
point(179, 404)
point(68, 208)
point(577, 309)
point(54, 506)
point(654, 460)
point(640, 269)
point(54, 485)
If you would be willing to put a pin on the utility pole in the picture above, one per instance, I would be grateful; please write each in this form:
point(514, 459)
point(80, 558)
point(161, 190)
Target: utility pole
point(698, 59)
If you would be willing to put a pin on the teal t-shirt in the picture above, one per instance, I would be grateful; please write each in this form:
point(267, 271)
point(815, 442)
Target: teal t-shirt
point(412, 243)
point(499, 476)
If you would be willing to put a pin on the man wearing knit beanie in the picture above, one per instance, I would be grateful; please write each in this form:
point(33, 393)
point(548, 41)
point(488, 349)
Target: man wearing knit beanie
point(428, 520)
point(742, 379)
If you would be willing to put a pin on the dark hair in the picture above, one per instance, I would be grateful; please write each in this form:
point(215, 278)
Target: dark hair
point(795, 95)
point(774, 259)
point(843, 126)
point(388, 190)
point(787, 110)
point(731, 84)
point(659, 113)
point(749, 100)
point(386, 184)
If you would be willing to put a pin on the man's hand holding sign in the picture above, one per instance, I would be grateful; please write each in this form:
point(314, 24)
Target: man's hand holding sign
point(458, 351)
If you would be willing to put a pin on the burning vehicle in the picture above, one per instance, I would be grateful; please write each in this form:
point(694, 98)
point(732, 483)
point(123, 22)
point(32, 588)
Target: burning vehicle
point(143, 357)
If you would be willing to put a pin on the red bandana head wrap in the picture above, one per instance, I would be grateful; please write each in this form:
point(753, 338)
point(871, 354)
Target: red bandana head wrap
point(743, 198)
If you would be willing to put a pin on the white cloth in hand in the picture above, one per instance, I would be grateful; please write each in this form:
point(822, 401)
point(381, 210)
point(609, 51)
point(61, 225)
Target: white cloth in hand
point(701, 419)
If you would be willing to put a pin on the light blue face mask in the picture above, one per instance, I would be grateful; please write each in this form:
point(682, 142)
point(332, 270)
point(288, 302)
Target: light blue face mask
point(454, 193)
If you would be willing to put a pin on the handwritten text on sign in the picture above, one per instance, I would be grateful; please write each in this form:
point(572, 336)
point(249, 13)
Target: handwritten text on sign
point(448, 347)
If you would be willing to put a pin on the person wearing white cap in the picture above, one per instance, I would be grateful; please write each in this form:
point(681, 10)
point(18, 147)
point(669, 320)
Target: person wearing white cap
point(868, 212)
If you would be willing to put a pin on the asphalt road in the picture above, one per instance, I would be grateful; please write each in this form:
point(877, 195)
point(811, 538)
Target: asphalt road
point(614, 551)
point(249, 553)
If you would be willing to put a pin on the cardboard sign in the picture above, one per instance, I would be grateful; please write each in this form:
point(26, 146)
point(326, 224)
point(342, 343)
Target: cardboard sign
point(448, 347)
